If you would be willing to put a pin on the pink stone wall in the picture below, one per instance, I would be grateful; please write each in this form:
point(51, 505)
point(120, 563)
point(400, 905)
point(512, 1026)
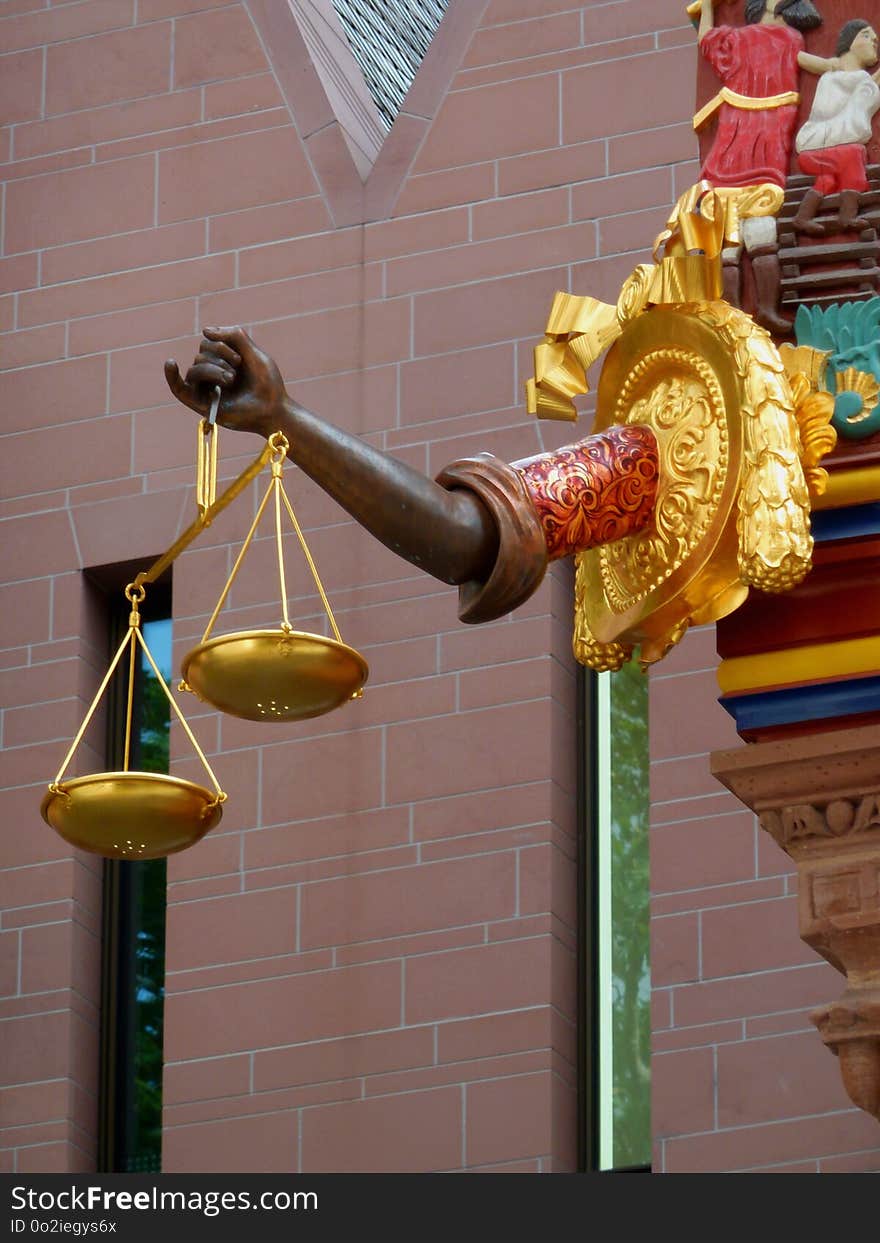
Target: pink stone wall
point(741, 1079)
point(370, 961)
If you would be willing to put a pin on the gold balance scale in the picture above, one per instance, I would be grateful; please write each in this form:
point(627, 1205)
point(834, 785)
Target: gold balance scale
point(259, 675)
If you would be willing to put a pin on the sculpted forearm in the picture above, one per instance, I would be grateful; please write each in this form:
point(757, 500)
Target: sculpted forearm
point(448, 533)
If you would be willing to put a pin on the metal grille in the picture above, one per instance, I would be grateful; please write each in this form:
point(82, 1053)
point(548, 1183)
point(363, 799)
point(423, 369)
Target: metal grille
point(389, 39)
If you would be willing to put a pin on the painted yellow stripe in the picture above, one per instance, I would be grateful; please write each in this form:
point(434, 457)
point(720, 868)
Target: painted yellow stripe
point(800, 664)
point(850, 487)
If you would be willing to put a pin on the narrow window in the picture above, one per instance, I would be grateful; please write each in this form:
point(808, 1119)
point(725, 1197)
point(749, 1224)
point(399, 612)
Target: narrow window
point(615, 1010)
point(133, 949)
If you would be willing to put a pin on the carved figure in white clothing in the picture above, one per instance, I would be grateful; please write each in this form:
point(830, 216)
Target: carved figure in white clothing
point(831, 143)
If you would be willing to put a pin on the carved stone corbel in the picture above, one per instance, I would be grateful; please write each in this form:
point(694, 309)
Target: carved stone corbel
point(819, 797)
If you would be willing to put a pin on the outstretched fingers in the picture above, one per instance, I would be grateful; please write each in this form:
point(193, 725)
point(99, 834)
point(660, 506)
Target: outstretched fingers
point(209, 371)
point(195, 389)
point(218, 349)
point(181, 389)
point(234, 338)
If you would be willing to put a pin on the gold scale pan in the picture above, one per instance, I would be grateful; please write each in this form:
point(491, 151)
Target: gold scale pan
point(261, 675)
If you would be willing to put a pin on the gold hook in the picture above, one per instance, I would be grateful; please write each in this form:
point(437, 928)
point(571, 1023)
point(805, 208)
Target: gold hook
point(135, 595)
point(206, 467)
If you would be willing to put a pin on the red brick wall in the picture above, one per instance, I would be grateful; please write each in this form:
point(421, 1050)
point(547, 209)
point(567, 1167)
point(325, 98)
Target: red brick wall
point(370, 960)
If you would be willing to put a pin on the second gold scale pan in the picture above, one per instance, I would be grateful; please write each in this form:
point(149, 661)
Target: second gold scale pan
point(274, 675)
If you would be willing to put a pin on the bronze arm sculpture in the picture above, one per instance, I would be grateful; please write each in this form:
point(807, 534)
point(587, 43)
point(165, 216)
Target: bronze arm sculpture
point(693, 487)
point(487, 526)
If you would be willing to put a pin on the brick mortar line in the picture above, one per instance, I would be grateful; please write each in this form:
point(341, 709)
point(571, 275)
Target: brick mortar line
point(376, 1096)
point(772, 1122)
point(146, 133)
point(671, 759)
point(51, 923)
point(715, 815)
point(391, 957)
point(264, 979)
point(526, 824)
point(366, 1076)
point(568, 69)
point(730, 905)
point(711, 981)
point(504, 160)
point(12, 17)
point(404, 1026)
point(35, 906)
point(39, 1083)
point(262, 323)
point(702, 910)
point(692, 798)
point(397, 954)
point(584, 46)
point(363, 729)
point(377, 1031)
point(144, 155)
point(707, 1044)
point(21, 1126)
point(685, 673)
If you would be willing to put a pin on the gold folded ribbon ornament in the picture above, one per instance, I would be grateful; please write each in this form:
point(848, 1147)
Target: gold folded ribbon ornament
point(580, 329)
point(747, 103)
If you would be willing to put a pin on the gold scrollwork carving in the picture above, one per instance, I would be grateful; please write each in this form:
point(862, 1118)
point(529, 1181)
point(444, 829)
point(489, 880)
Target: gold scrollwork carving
point(676, 394)
point(732, 509)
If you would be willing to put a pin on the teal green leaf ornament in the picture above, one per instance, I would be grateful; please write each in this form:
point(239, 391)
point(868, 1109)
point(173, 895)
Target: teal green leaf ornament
point(849, 333)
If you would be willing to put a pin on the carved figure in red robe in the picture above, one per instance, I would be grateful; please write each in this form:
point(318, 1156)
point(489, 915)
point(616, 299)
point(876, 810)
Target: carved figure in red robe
point(758, 65)
point(755, 114)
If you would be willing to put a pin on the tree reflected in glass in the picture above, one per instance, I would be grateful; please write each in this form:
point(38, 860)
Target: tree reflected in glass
point(148, 894)
point(631, 980)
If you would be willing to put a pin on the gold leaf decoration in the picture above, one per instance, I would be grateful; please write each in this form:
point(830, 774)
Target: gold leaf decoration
point(862, 382)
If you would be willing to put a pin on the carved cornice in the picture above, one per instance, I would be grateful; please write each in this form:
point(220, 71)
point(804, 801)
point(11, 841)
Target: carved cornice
point(819, 797)
point(818, 771)
point(840, 818)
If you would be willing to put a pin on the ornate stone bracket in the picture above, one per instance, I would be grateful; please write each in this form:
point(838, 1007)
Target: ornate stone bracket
point(819, 798)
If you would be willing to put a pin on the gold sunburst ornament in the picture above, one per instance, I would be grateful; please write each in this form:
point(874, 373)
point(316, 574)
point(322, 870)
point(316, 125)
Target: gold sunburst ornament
point(862, 382)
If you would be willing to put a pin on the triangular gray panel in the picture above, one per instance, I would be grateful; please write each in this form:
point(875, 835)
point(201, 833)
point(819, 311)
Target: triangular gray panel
point(389, 39)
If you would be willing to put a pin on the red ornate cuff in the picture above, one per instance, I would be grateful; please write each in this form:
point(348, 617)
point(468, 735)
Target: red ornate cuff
point(595, 491)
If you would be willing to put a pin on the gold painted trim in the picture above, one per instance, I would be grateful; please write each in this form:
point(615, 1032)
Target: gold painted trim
point(748, 103)
point(800, 664)
point(850, 487)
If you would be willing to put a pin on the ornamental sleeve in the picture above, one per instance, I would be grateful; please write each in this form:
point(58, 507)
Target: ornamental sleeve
point(545, 507)
point(595, 491)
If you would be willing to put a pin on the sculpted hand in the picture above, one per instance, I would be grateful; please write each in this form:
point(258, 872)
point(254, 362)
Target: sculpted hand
point(253, 393)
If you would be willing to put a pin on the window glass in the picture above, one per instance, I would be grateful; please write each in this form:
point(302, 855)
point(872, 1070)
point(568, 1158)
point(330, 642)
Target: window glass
point(133, 989)
point(148, 895)
point(622, 940)
point(388, 39)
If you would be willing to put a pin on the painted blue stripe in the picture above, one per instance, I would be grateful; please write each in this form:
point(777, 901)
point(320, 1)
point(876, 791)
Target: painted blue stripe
point(846, 523)
point(803, 703)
